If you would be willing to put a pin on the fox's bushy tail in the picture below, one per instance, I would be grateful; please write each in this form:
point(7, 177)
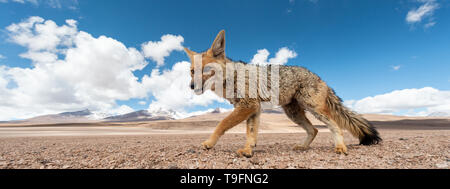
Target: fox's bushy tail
point(351, 121)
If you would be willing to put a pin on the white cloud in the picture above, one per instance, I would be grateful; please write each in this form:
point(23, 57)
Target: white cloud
point(142, 103)
point(157, 51)
point(2, 57)
point(281, 57)
point(425, 10)
point(124, 109)
point(36, 34)
point(429, 25)
point(420, 102)
point(93, 73)
point(396, 68)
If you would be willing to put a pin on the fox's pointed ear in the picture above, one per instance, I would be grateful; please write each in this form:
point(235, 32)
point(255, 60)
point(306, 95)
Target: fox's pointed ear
point(189, 52)
point(218, 46)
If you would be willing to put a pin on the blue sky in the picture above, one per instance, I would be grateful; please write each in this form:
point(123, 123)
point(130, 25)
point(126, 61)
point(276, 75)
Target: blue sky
point(360, 48)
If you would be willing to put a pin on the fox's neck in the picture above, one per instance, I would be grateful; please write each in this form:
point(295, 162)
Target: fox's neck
point(245, 69)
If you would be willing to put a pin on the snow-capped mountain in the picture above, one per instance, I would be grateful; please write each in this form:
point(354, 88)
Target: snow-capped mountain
point(144, 115)
point(81, 113)
point(209, 111)
point(277, 110)
point(84, 116)
point(439, 114)
point(219, 110)
point(65, 117)
point(167, 113)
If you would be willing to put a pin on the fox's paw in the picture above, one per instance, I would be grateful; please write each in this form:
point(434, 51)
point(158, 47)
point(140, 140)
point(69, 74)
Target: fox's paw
point(300, 148)
point(341, 150)
point(208, 144)
point(246, 152)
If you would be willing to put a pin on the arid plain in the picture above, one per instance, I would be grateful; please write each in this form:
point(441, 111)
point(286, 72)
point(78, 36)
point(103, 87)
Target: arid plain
point(408, 142)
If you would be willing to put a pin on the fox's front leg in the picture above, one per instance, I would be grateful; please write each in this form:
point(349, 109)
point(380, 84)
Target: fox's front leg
point(238, 115)
point(252, 134)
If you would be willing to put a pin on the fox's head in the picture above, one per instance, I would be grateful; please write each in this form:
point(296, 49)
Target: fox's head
point(215, 54)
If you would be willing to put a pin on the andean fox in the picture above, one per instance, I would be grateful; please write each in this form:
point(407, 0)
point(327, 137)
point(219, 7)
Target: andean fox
point(299, 90)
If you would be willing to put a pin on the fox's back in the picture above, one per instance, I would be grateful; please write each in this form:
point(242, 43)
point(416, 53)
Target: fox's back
point(298, 81)
point(293, 80)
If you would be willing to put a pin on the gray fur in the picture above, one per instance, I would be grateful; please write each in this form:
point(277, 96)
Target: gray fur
point(305, 89)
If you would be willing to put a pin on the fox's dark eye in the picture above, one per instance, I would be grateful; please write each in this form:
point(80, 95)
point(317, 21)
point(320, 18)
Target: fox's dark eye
point(192, 72)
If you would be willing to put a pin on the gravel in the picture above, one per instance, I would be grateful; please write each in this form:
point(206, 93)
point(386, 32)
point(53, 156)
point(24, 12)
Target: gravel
point(400, 149)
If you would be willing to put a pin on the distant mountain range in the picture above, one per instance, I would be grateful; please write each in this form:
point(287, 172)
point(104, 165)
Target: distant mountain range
point(439, 114)
point(65, 117)
point(76, 114)
point(158, 114)
point(278, 110)
point(142, 115)
point(86, 116)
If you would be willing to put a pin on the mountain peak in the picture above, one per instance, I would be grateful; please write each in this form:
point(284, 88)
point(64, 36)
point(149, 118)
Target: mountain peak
point(216, 111)
point(142, 115)
point(439, 114)
point(81, 113)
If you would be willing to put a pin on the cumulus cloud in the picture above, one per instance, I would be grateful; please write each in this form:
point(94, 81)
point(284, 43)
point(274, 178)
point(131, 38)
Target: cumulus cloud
point(123, 109)
point(93, 72)
point(281, 57)
point(419, 102)
point(426, 10)
point(157, 51)
point(40, 36)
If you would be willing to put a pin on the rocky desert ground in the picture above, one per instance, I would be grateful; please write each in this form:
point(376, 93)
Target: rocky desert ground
point(408, 142)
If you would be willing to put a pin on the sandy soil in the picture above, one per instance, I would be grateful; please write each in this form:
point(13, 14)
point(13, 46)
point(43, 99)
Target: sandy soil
point(409, 142)
point(427, 148)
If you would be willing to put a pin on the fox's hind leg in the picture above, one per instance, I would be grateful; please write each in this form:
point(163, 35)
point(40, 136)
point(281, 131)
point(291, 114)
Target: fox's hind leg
point(340, 147)
point(297, 114)
point(314, 98)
